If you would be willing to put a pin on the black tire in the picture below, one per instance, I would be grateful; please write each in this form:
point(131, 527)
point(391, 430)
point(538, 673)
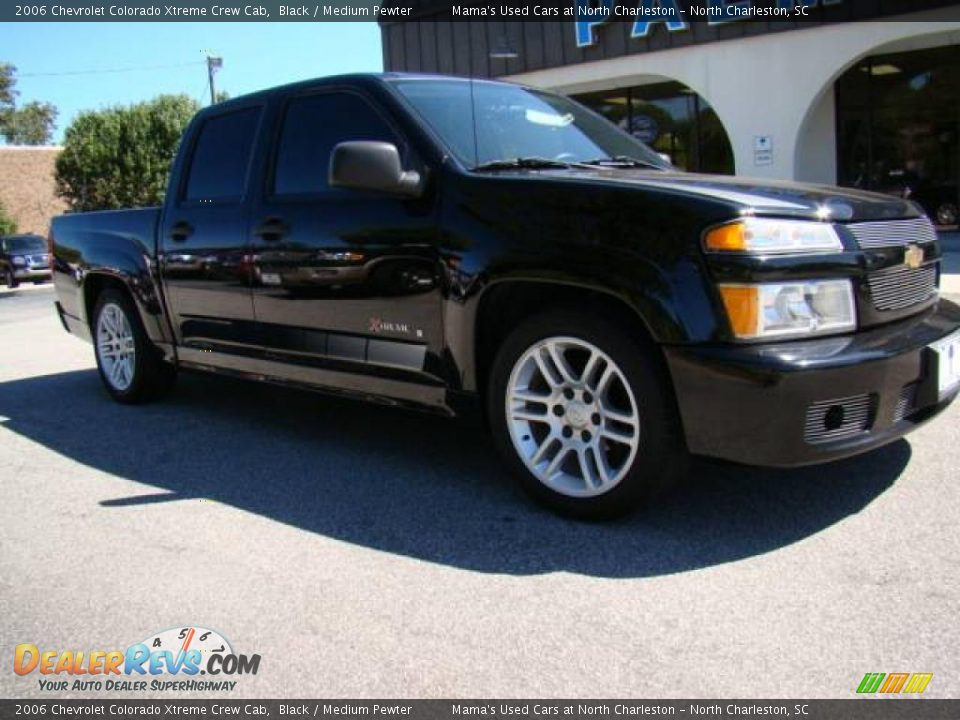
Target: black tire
point(661, 457)
point(10, 280)
point(152, 376)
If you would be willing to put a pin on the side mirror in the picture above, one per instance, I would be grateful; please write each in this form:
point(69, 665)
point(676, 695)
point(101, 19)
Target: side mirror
point(372, 165)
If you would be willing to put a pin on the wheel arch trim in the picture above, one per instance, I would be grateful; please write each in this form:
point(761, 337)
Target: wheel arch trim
point(139, 285)
point(649, 312)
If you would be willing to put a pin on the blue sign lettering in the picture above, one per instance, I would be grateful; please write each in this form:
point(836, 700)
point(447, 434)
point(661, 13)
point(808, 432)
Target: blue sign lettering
point(671, 9)
point(720, 14)
point(593, 9)
point(787, 4)
point(598, 13)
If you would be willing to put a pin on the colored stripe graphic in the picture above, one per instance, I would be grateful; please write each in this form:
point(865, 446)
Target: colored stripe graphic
point(871, 682)
point(918, 682)
point(894, 683)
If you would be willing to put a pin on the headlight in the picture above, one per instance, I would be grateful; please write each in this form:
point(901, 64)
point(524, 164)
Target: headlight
point(19, 261)
point(776, 310)
point(758, 236)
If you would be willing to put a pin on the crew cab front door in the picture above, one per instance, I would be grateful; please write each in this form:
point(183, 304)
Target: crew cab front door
point(343, 279)
point(203, 250)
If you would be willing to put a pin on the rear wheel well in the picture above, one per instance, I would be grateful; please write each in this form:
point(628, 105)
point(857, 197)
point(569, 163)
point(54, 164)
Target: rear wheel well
point(504, 306)
point(93, 286)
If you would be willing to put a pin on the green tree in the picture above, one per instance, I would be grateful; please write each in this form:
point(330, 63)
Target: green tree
point(31, 124)
point(8, 91)
point(8, 225)
point(121, 156)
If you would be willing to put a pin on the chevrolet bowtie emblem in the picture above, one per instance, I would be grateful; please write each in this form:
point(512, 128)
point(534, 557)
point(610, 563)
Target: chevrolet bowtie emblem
point(913, 256)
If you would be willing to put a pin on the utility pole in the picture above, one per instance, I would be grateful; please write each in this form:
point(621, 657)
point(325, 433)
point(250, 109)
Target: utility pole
point(214, 63)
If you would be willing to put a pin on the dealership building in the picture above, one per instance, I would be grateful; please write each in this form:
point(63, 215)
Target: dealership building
point(861, 93)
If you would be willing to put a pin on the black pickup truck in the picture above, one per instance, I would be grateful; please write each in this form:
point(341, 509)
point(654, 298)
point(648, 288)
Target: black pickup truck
point(432, 242)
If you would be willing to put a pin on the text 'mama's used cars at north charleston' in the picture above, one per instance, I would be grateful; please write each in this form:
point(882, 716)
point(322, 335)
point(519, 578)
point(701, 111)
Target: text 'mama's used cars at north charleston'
point(24, 258)
point(433, 242)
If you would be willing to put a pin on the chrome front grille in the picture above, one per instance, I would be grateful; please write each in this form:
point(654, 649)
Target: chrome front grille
point(38, 260)
point(902, 287)
point(838, 419)
point(892, 233)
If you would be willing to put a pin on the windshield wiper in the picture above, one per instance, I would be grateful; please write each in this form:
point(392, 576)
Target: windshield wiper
point(622, 161)
point(522, 163)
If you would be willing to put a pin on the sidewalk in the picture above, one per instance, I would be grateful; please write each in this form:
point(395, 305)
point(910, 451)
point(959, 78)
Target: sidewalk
point(24, 286)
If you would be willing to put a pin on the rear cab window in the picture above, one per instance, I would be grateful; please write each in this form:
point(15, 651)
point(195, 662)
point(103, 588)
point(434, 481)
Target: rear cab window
point(221, 157)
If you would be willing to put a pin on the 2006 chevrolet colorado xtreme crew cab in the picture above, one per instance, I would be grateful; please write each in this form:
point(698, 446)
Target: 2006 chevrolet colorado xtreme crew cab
point(428, 240)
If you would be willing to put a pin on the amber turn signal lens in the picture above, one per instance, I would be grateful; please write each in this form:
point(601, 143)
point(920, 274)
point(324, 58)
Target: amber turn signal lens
point(743, 309)
point(727, 237)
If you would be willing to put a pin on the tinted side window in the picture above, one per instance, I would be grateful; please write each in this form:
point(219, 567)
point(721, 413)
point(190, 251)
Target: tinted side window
point(221, 155)
point(312, 126)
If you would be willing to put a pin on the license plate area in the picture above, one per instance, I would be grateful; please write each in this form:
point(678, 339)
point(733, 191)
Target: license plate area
point(947, 354)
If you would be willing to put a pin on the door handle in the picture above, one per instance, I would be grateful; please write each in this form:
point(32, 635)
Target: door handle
point(271, 229)
point(181, 231)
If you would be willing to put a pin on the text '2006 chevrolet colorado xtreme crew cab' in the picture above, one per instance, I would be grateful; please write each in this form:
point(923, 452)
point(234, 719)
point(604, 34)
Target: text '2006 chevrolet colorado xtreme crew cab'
point(427, 241)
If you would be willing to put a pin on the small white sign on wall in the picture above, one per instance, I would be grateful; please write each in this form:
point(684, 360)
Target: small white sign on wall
point(763, 150)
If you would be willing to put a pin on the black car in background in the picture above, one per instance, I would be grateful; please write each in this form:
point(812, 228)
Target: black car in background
point(24, 258)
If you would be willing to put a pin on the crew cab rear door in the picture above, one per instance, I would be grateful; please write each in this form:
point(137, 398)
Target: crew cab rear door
point(342, 278)
point(203, 248)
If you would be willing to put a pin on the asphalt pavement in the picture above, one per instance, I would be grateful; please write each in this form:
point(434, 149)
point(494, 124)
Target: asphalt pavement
point(365, 551)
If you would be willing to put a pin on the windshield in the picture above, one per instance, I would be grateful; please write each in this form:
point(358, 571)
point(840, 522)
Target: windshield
point(24, 244)
point(484, 122)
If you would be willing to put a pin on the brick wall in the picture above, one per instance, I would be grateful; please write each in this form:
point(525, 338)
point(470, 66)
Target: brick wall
point(27, 188)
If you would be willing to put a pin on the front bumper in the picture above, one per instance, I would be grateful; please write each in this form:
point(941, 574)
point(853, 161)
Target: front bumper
point(764, 404)
point(29, 273)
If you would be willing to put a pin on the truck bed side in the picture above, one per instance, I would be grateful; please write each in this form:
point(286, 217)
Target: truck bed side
point(99, 249)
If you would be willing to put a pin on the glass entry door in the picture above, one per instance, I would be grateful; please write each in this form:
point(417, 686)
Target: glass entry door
point(898, 125)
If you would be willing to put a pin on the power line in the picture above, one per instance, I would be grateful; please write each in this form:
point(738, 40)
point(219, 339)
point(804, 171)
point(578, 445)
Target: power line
point(100, 71)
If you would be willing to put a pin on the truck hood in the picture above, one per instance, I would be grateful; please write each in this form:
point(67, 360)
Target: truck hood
point(760, 196)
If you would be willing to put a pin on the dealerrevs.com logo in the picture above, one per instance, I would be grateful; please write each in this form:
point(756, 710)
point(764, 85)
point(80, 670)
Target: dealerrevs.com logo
point(186, 659)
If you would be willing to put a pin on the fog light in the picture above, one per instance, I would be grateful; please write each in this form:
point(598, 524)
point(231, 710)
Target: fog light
point(833, 419)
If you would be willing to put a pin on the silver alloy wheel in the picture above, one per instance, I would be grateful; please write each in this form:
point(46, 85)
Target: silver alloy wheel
point(116, 347)
point(572, 417)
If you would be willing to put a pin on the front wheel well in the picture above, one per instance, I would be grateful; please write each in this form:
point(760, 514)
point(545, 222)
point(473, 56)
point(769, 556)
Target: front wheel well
point(504, 306)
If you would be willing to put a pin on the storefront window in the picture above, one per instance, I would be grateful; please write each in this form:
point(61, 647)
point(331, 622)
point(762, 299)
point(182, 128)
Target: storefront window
point(898, 122)
point(673, 120)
